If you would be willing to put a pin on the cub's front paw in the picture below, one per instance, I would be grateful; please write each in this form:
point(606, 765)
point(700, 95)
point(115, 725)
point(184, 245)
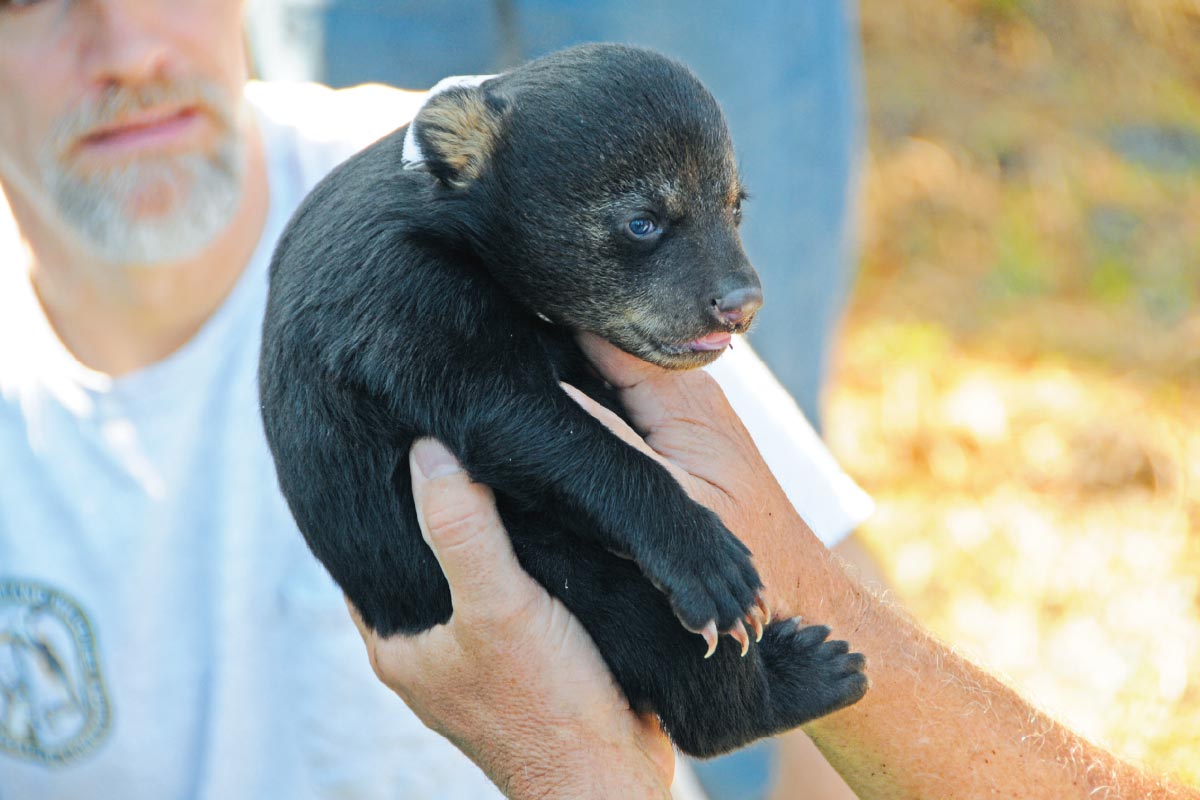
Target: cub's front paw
point(708, 578)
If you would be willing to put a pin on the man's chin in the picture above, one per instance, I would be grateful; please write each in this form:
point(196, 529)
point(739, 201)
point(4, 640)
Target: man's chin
point(157, 201)
point(152, 214)
point(156, 244)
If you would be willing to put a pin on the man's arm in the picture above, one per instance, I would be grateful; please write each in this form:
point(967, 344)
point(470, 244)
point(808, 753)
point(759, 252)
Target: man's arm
point(513, 680)
point(933, 725)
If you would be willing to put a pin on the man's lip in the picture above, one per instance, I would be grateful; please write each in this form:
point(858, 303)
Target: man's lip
point(150, 128)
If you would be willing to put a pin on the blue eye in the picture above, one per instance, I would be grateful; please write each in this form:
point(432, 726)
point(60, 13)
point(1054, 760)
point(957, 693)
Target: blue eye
point(642, 227)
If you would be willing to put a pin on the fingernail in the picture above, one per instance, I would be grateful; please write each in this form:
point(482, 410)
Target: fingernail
point(433, 459)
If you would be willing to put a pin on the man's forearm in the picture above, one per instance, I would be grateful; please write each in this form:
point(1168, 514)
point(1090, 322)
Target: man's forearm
point(567, 765)
point(934, 725)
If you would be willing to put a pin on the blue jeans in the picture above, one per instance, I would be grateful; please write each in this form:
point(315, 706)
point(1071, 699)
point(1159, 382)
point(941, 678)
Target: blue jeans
point(786, 73)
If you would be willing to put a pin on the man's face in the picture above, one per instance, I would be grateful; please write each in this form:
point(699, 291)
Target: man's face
point(121, 120)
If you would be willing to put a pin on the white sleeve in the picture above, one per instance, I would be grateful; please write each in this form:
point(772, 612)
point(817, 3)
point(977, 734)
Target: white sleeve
point(826, 497)
point(334, 123)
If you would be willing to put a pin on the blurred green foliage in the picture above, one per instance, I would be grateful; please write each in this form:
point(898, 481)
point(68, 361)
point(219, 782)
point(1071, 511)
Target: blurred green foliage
point(1019, 384)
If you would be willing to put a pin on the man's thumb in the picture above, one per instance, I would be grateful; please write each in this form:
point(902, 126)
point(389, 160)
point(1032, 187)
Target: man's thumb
point(459, 522)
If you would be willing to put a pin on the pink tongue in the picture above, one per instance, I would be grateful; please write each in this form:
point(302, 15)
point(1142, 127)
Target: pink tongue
point(714, 341)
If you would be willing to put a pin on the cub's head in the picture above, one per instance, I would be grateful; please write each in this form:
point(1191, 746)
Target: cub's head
point(603, 193)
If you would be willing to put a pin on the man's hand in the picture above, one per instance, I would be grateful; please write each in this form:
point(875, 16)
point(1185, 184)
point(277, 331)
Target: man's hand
point(683, 421)
point(513, 680)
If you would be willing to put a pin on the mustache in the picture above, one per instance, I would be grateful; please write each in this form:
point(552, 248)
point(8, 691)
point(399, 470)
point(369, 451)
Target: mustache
point(117, 103)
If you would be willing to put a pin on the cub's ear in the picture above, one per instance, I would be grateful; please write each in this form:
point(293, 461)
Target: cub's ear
point(457, 131)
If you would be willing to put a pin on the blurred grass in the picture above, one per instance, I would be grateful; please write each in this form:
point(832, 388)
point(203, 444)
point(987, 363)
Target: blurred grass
point(1019, 379)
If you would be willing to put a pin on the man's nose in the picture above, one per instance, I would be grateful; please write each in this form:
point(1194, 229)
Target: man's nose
point(128, 45)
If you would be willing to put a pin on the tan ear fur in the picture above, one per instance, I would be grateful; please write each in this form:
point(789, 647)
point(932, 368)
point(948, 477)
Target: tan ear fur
point(459, 129)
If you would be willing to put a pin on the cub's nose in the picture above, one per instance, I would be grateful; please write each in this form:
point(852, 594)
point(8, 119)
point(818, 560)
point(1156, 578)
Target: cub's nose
point(739, 305)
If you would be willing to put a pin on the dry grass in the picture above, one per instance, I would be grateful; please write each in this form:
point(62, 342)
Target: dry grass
point(1019, 382)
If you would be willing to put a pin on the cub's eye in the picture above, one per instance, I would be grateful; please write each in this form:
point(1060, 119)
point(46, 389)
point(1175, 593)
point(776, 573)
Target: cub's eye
point(642, 227)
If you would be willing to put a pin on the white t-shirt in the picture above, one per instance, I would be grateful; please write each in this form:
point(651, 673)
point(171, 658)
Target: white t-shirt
point(164, 631)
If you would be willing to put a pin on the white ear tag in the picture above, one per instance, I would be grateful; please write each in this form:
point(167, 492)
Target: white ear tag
point(412, 157)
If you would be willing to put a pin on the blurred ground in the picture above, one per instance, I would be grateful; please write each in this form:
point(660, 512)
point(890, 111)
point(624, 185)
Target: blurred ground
point(1019, 379)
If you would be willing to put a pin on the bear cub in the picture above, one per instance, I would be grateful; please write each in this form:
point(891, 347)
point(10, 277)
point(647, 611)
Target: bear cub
point(438, 293)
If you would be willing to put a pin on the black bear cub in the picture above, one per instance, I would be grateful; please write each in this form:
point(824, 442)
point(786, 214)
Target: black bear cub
point(439, 295)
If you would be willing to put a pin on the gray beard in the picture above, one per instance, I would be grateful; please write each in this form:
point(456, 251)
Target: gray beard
point(202, 189)
point(95, 207)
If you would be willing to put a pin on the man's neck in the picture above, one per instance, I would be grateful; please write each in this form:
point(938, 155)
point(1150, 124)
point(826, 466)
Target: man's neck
point(119, 321)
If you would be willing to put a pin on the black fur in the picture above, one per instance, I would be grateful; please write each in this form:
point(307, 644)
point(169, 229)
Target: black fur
point(409, 303)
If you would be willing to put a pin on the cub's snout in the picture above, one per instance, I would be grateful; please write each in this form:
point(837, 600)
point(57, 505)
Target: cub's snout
point(737, 307)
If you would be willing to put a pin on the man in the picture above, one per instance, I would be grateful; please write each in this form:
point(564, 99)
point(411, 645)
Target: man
point(163, 630)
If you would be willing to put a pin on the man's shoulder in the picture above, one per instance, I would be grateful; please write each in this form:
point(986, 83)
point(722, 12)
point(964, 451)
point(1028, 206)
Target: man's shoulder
point(325, 126)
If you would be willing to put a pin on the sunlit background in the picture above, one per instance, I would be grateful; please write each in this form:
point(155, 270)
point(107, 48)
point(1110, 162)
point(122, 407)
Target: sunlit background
point(1018, 382)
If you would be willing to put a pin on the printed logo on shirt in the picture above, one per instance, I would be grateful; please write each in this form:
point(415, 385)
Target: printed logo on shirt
point(53, 704)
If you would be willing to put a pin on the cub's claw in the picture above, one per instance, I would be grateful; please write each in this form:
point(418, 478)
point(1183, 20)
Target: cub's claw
point(738, 632)
point(760, 602)
point(756, 623)
point(709, 632)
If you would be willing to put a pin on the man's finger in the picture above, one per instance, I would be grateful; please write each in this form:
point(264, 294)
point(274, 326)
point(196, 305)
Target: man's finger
point(623, 432)
point(610, 420)
point(358, 620)
point(615, 365)
point(370, 640)
point(459, 522)
point(640, 383)
point(657, 399)
point(658, 744)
